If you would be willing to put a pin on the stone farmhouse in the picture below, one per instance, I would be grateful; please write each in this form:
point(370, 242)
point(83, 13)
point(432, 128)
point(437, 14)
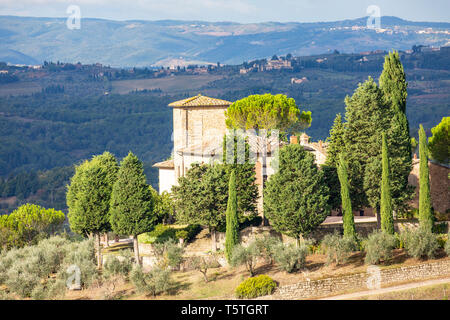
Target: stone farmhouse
point(198, 131)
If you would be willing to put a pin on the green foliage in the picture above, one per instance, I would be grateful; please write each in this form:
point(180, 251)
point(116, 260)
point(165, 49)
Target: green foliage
point(265, 111)
point(162, 233)
point(296, 197)
point(39, 271)
point(425, 210)
point(247, 190)
point(394, 87)
point(439, 142)
point(447, 245)
point(347, 212)
point(118, 265)
point(181, 234)
point(421, 243)
point(168, 254)
point(27, 224)
point(156, 281)
point(232, 223)
point(379, 247)
point(164, 207)
point(201, 195)
point(290, 257)
point(89, 194)
point(268, 246)
point(336, 145)
point(387, 218)
point(247, 256)
point(366, 117)
point(132, 204)
point(338, 248)
point(261, 285)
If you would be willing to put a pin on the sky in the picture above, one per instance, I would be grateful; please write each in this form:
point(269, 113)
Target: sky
point(243, 11)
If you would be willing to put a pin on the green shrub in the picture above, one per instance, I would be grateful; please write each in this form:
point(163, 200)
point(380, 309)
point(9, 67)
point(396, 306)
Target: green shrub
point(267, 247)
point(379, 247)
point(442, 240)
point(421, 243)
point(81, 255)
point(447, 245)
point(28, 271)
point(338, 248)
point(247, 256)
point(181, 234)
point(118, 266)
point(290, 257)
point(155, 282)
point(161, 233)
point(261, 285)
point(168, 254)
point(20, 280)
point(399, 241)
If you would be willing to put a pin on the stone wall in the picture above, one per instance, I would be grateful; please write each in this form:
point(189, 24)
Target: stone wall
point(360, 281)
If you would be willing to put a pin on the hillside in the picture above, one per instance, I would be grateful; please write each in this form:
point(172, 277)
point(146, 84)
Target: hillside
point(27, 40)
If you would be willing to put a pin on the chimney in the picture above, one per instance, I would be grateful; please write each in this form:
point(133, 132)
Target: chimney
point(320, 144)
point(304, 139)
point(293, 139)
point(415, 156)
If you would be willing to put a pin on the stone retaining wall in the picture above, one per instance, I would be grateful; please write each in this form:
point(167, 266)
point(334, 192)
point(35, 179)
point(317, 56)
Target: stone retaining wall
point(360, 281)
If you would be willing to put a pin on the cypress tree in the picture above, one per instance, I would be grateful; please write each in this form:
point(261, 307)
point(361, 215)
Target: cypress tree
point(88, 197)
point(387, 219)
point(348, 219)
point(296, 196)
point(132, 204)
point(366, 117)
point(394, 87)
point(425, 212)
point(232, 224)
point(336, 145)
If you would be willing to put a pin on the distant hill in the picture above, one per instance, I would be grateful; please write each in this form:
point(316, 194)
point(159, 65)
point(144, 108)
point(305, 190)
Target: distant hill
point(28, 40)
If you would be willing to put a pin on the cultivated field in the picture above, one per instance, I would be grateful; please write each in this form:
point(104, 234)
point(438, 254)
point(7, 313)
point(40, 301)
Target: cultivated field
point(175, 84)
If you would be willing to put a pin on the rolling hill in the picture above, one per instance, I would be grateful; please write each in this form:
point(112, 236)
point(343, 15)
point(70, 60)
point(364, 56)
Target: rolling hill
point(28, 40)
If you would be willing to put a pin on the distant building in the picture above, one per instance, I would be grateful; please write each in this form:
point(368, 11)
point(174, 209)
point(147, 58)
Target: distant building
point(298, 81)
point(278, 64)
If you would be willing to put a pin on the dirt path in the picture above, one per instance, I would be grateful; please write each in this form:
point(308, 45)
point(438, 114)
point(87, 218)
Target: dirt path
point(389, 289)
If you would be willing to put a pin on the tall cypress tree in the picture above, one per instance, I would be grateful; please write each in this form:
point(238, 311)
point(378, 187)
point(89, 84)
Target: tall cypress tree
point(132, 204)
point(387, 219)
point(348, 219)
point(366, 117)
point(336, 145)
point(425, 212)
point(232, 224)
point(394, 87)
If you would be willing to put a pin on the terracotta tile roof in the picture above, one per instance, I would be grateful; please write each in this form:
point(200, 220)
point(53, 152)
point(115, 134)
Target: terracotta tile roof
point(168, 164)
point(200, 101)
